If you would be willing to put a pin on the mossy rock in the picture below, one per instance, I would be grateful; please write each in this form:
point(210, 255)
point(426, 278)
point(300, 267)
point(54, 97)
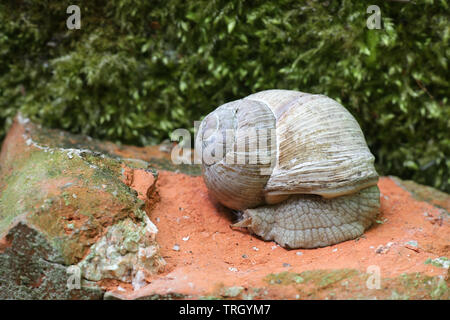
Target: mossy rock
point(353, 284)
point(56, 204)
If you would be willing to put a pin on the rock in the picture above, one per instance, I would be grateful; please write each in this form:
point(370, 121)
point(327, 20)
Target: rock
point(384, 249)
point(441, 262)
point(31, 268)
point(65, 207)
point(107, 233)
point(232, 292)
point(217, 257)
point(425, 193)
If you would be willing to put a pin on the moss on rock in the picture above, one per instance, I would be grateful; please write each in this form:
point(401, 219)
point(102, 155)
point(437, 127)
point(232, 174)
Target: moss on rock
point(57, 206)
point(353, 284)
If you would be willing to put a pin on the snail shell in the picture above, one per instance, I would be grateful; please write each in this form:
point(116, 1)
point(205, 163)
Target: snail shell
point(296, 164)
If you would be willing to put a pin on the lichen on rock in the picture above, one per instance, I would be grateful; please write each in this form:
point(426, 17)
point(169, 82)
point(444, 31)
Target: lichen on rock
point(78, 202)
point(124, 253)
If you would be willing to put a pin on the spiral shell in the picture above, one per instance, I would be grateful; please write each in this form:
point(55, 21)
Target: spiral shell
point(318, 148)
point(290, 144)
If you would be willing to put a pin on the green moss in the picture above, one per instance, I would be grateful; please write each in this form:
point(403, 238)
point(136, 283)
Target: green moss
point(170, 296)
point(397, 296)
point(232, 292)
point(211, 297)
point(106, 166)
point(440, 290)
point(23, 189)
point(441, 262)
point(425, 193)
point(38, 188)
point(320, 278)
point(163, 164)
point(283, 278)
point(351, 284)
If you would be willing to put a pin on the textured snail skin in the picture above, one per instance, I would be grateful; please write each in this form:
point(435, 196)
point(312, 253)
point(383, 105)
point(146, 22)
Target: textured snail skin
point(310, 221)
point(320, 187)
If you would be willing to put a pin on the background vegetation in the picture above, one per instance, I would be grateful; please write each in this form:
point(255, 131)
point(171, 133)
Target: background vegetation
point(139, 69)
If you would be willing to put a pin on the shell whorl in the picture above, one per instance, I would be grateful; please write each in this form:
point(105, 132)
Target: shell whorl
point(321, 148)
point(236, 173)
point(315, 147)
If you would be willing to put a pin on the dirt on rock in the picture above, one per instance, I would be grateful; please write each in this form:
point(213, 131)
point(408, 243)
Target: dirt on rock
point(206, 257)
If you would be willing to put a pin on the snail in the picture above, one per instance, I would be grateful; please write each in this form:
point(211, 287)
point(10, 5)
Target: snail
point(295, 165)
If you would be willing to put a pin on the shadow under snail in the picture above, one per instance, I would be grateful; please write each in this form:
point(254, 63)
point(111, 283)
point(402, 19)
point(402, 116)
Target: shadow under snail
point(295, 164)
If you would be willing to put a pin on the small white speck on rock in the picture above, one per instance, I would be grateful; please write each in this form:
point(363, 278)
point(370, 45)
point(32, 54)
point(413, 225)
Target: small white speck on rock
point(232, 269)
point(139, 280)
point(334, 250)
point(176, 247)
point(186, 238)
point(299, 253)
point(384, 249)
point(255, 248)
point(413, 243)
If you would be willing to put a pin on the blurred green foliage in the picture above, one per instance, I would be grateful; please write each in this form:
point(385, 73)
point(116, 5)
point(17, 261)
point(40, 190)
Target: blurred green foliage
point(136, 70)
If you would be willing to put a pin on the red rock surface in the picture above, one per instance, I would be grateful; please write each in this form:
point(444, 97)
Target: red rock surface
point(206, 258)
point(213, 256)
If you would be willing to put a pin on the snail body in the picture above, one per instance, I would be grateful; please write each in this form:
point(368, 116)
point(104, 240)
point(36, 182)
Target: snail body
point(295, 164)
